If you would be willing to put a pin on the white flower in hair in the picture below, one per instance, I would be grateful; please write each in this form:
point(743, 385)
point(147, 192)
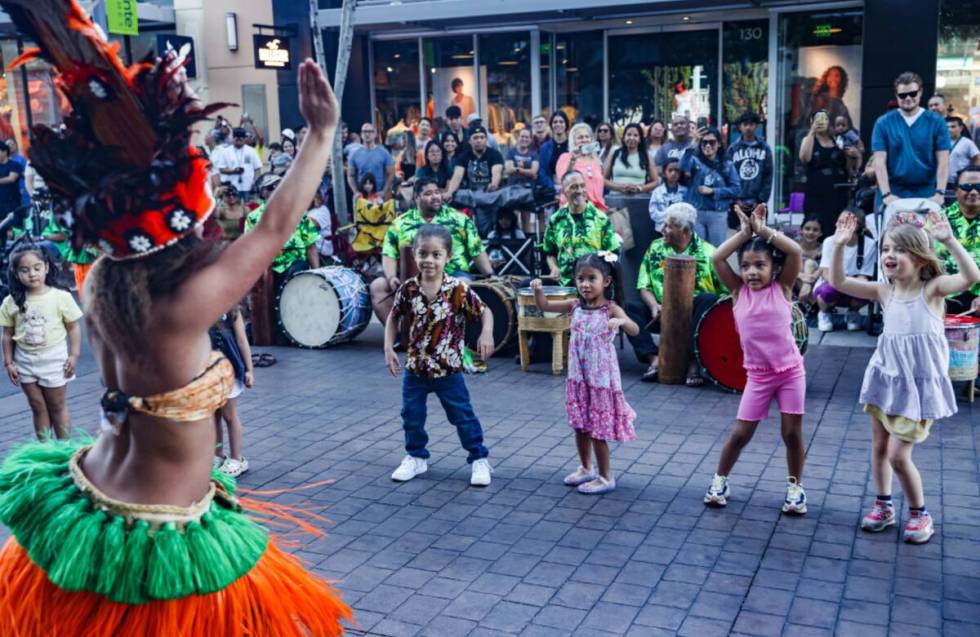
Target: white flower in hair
point(140, 243)
point(180, 221)
point(608, 256)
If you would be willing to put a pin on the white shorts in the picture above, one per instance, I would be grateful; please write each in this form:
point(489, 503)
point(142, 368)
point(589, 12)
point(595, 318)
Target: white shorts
point(46, 367)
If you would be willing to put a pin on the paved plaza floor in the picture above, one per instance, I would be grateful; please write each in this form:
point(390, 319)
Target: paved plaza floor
point(530, 556)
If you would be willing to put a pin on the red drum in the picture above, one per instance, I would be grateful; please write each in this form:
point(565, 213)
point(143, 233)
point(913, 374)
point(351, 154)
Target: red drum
point(718, 350)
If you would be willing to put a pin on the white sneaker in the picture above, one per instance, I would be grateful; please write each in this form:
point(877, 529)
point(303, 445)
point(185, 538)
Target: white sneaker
point(481, 473)
point(409, 468)
point(795, 502)
point(233, 467)
point(217, 461)
point(853, 320)
point(825, 322)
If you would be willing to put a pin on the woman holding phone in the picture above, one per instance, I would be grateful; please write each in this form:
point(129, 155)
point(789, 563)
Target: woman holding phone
point(826, 168)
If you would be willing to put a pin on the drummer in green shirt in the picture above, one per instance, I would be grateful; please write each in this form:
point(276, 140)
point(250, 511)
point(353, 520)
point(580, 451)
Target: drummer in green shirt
point(679, 238)
point(81, 260)
point(299, 252)
point(575, 230)
point(467, 249)
point(964, 219)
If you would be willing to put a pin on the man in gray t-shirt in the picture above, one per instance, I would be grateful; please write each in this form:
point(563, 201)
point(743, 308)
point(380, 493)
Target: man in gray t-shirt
point(371, 159)
point(680, 127)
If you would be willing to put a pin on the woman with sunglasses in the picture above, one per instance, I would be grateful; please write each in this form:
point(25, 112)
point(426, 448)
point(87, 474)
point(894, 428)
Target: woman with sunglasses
point(606, 136)
point(656, 136)
point(713, 184)
point(826, 168)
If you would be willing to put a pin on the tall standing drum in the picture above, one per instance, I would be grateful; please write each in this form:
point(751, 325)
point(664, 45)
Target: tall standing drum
point(675, 318)
point(323, 307)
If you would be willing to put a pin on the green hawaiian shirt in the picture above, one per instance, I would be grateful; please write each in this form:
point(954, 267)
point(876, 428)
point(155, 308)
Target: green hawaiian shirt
point(569, 237)
point(967, 232)
point(466, 240)
point(82, 256)
point(305, 235)
point(651, 276)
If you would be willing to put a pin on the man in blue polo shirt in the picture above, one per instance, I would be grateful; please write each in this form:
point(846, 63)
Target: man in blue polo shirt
point(911, 147)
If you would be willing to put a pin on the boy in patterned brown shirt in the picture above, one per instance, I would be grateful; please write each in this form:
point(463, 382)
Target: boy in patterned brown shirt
point(437, 307)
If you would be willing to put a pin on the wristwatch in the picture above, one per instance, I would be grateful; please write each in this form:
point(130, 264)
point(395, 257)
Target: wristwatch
point(940, 192)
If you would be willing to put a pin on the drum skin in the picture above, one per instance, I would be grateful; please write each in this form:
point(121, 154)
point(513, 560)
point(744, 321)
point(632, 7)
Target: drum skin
point(718, 350)
point(323, 307)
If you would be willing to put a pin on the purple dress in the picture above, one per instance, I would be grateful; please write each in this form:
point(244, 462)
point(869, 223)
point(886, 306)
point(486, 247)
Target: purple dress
point(594, 392)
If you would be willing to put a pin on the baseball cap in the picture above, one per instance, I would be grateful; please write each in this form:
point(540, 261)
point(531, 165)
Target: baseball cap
point(473, 117)
point(478, 129)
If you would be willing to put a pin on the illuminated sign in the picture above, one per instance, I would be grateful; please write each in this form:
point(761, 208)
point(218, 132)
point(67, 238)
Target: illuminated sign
point(272, 52)
point(121, 17)
point(825, 30)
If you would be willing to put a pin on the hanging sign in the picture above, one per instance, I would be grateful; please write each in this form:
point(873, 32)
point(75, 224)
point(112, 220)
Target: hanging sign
point(183, 46)
point(122, 17)
point(272, 52)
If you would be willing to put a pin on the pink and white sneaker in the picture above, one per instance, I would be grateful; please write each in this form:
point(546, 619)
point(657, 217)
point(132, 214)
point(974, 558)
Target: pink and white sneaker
point(881, 516)
point(919, 528)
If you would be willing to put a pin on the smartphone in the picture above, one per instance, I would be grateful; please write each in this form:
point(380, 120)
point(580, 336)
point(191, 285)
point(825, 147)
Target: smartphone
point(702, 122)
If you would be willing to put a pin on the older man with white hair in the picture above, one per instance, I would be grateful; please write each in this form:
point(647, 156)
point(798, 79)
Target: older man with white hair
point(678, 238)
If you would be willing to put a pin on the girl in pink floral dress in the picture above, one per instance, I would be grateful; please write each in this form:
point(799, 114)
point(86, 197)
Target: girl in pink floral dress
point(597, 409)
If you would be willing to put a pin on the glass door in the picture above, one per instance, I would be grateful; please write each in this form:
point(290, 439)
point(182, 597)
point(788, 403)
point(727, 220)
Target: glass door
point(653, 76)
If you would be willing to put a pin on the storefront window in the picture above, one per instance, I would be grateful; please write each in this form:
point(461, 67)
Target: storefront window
point(655, 75)
point(505, 59)
point(396, 88)
point(449, 75)
point(745, 73)
point(545, 70)
point(957, 69)
point(578, 75)
point(820, 68)
point(48, 105)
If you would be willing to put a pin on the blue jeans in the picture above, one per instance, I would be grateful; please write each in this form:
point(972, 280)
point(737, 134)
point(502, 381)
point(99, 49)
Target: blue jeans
point(712, 226)
point(452, 393)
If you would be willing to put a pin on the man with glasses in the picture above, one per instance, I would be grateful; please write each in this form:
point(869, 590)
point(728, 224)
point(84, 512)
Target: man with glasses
point(964, 219)
point(373, 159)
point(911, 147)
point(680, 128)
point(539, 128)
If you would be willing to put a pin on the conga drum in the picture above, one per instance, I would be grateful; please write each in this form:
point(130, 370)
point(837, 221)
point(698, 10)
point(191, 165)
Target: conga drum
point(675, 318)
point(406, 270)
point(323, 307)
point(718, 350)
point(500, 297)
point(263, 310)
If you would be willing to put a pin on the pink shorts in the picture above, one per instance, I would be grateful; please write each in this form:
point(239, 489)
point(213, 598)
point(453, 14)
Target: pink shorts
point(788, 387)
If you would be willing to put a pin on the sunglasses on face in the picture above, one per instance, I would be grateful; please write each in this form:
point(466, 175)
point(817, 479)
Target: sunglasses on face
point(603, 130)
point(907, 94)
point(709, 142)
point(969, 187)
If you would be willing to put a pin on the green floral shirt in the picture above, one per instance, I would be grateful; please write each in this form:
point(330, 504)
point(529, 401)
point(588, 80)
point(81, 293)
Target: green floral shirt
point(651, 276)
point(569, 237)
point(83, 256)
point(305, 235)
point(466, 240)
point(967, 232)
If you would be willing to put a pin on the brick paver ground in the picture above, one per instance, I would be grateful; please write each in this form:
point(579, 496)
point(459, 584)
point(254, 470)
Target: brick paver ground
point(529, 556)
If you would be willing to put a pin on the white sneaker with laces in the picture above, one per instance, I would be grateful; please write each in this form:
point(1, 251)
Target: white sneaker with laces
point(795, 502)
point(853, 320)
point(409, 468)
point(825, 322)
point(234, 467)
point(718, 492)
point(481, 473)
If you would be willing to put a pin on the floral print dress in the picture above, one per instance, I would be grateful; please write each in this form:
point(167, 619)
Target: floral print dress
point(594, 390)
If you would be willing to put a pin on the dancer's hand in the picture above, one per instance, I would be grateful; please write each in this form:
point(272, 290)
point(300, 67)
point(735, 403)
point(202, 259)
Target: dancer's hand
point(12, 374)
point(250, 379)
point(536, 285)
point(759, 219)
point(391, 361)
point(70, 366)
point(317, 102)
point(939, 228)
point(745, 224)
point(846, 226)
point(616, 323)
point(485, 346)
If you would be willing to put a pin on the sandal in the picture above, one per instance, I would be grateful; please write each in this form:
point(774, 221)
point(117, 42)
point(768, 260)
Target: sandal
point(694, 379)
point(263, 360)
point(650, 376)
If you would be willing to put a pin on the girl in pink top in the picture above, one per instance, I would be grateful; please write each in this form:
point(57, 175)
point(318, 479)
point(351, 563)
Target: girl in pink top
point(582, 156)
point(769, 263)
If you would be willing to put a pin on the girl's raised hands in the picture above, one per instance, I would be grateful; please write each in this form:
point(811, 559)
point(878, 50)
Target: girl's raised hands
point(745, 223)
point(759, 218)
point(317, 102)
point(846, 226)
point(939, 227)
